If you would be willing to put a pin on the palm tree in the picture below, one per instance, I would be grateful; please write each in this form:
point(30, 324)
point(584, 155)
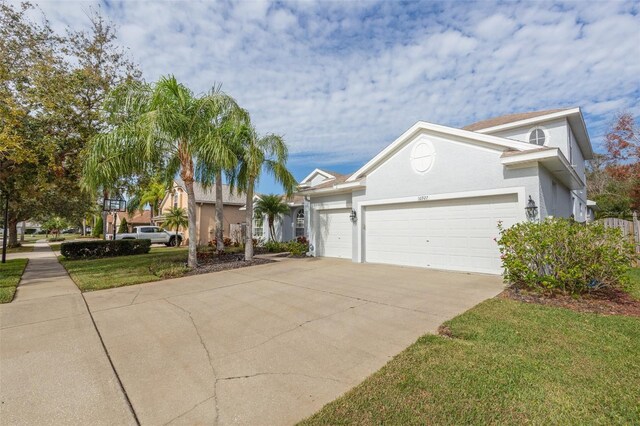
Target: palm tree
point(256, 154)
point(271, 206)
point(151, 194)
point(176, 218)
point(162, 126)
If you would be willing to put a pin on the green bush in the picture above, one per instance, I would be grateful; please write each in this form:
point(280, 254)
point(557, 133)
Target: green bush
point(560, 255)
point(297, 248)
point(55, 239)
point(275, 246)
point(96, 249)
point(124, 226)
point(96, 232)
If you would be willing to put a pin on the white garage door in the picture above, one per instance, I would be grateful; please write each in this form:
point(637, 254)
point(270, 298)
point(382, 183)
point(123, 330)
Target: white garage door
point(453, 234)
point(333, 233)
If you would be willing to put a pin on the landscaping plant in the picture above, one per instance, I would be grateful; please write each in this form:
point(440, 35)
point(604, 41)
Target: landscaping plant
point(104, 248)
point(561, 255)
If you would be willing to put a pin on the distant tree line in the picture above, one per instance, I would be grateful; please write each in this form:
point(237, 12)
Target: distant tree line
point(52, 87)
point(613, 177)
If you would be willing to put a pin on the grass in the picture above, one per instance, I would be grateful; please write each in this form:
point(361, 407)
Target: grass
point(98, 274)
point(20, 249)
point(55, 246)
point(508, 363)
point(10, 274)
point(633, 287)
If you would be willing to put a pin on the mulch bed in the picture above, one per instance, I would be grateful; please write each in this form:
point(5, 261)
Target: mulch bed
point(607, 301)
point(225, 262)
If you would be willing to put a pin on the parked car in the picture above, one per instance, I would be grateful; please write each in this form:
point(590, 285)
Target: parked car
point(156, 234)
point(69, 231)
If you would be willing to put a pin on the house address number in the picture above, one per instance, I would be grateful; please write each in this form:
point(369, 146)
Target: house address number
point(423, 198)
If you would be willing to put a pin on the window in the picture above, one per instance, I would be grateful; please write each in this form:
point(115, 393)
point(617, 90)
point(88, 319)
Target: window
point(258, 230)
point(537, 137)
point(175, 199)
point(300, 223)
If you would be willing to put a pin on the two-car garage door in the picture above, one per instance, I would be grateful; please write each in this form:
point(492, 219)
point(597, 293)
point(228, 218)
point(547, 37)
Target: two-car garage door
point(450, 234)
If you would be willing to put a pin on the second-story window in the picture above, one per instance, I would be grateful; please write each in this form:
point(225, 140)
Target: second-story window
point(537, 137)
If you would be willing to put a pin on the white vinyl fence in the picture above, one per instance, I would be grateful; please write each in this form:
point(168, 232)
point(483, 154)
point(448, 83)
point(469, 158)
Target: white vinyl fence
point(630, 228)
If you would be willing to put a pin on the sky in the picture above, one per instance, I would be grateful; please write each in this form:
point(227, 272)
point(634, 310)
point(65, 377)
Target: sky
point(340, 80)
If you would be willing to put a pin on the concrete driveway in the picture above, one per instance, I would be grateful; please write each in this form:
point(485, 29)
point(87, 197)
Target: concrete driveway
point(270, 344)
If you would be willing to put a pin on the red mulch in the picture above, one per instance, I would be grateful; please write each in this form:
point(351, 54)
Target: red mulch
point(606, 301)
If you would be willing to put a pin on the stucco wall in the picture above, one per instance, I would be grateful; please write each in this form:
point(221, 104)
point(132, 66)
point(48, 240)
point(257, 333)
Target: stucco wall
point(559, 135)
point(554, 202)
point(206, 220)
point(458, 166)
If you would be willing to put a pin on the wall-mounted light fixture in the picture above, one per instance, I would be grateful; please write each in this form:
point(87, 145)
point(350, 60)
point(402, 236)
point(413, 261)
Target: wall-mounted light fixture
point(531, 209)
point(353, 216)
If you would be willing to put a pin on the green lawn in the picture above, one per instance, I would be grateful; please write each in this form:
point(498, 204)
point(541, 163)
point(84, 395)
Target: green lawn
point(10, 274)
point(508, 363)
point(633, 287)
point(21, 249)
point(98, 274)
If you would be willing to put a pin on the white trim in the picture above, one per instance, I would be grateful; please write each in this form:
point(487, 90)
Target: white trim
point(338, 188)
point(530, 121)
point(315, 172)
point(544, 155)
point(421, 125)
point(518, 190)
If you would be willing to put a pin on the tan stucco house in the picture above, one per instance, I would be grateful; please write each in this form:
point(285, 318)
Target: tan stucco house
point(205, 209)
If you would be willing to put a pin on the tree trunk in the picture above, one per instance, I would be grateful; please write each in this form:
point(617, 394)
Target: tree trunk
point(272, 231)
point(13, 232)
point(219, 212)
point(186, 174)
point(24, 229)
point(84, 227)
point(248, 242)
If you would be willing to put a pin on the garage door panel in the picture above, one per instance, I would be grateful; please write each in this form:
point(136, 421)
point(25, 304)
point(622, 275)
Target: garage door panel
point(333, 230)
point(453, 234)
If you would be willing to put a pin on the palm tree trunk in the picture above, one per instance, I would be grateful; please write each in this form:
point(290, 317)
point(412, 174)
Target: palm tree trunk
point(186, 174)
point(272, 230)
point(219, 212)
point(248, 241)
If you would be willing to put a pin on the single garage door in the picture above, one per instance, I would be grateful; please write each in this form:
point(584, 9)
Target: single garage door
point(453, 234)
point(333, 233)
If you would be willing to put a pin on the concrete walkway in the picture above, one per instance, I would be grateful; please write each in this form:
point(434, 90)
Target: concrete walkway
point(53, 367)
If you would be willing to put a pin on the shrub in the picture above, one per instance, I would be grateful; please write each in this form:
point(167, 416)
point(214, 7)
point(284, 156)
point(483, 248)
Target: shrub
point(560, 255)
point(226, 241)
point(96, 231)
point(303, 240)
point(298, 248)
point(275, 246)
point(55, 239)
point(124, 226)
point(96, 249)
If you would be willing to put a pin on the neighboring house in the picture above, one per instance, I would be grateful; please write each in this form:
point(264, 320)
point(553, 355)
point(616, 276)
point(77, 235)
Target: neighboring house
point(287, 227)
point(139, 218)
point(433, 197)
point(205, 209)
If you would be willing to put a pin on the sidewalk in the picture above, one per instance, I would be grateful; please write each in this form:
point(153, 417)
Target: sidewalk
point(53, 368)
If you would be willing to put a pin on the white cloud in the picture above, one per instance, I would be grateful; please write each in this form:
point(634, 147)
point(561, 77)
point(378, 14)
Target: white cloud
point(342, 79)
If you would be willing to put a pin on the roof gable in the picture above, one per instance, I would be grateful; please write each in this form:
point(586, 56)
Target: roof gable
point(572, 115)
point(489, 141)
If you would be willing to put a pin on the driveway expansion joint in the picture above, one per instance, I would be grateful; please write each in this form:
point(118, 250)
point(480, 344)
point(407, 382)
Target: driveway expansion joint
point(113, 367)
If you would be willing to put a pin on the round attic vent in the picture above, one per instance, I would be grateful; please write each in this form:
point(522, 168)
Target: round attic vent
point(422, 156)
